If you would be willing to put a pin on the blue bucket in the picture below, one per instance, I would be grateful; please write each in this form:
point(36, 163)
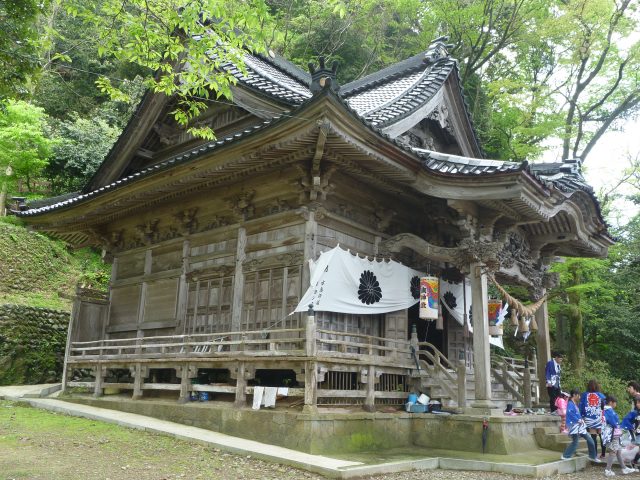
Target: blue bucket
point(204, 396)
point(413, 398)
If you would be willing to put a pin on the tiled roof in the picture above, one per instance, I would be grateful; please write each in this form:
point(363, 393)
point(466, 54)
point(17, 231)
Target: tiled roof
point(457, 165)
point(566, 176)
point(268, 78)
point(176, 160)
point(387, 103)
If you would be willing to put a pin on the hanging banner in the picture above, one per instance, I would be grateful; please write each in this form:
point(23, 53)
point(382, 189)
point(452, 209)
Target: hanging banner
point(346, 283)
point(454, 297)
point(429, 287)
point(494, 307)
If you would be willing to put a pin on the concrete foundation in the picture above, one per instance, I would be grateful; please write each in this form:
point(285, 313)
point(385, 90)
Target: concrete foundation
point(345, 431)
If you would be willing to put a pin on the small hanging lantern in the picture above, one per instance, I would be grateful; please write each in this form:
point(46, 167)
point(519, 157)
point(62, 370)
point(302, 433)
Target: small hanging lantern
point(429, 288)
point(494, 306)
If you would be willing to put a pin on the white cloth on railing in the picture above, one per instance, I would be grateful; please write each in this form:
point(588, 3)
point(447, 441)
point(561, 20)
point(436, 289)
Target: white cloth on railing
point(284, 391)
point(269, 399)
point(257, 397)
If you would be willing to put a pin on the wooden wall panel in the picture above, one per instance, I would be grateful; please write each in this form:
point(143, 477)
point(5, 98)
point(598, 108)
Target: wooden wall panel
point(161, 300)
point(330, 236)
point(130, 265)
point(125, 302)
point(396, 324)
point(166, 258)
point(92, 317)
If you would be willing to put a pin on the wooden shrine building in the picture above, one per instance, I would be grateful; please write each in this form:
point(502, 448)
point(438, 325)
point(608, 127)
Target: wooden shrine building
point(210, 241)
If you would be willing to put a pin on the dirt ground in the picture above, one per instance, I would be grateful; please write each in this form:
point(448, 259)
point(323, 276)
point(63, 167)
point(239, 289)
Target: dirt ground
point(36, 444)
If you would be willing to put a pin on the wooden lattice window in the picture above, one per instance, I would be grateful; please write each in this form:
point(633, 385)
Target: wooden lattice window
point(348, 323)
point(269, 296)
point(209, 305)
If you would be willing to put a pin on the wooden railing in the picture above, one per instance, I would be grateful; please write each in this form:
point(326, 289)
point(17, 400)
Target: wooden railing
point(331, 342)
point(517, 376)
point(433, 361)
point(194, 345)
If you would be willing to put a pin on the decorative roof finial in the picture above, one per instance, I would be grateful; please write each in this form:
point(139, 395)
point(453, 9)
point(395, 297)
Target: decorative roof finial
point(322, 77)
point(437, 50)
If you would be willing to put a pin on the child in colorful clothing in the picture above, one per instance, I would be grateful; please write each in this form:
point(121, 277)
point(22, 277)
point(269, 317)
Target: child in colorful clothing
point(631, 422)
point(577, 429)
point(611, 434)
point(561, 405)
point(591, 406)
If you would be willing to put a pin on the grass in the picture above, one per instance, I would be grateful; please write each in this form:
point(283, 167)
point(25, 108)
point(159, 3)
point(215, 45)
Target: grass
point(36, 444)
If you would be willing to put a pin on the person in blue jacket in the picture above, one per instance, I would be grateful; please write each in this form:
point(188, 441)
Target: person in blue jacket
point(577, 429)
point(591, 406)
point(552, 375)
point(631, 423)
point(611, 434)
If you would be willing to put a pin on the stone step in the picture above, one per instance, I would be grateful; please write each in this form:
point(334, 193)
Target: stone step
point(551, 438)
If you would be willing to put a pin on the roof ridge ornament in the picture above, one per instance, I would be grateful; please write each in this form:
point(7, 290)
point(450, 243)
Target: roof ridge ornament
point(437, 50)
point(323, 77)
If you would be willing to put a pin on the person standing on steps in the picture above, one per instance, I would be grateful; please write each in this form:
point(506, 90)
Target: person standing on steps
point(552, 374)
point(576, 429)
point(591, 408)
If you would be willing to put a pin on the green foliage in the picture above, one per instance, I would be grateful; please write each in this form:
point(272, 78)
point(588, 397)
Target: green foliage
point(80, 147)
point(24, 146)
point(184, 46)
point(19, 46)
point(597, 370)
point(38, 271)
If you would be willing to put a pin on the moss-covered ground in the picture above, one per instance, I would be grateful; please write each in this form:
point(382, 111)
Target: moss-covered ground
point(38, 271)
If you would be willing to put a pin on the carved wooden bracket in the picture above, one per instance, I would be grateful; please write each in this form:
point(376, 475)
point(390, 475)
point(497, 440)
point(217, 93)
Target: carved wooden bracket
point(148, 232)
point(420, 246)
point(187, 222)
point(242, 204)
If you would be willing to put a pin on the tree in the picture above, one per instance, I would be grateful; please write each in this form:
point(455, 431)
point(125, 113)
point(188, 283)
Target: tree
point(24, 147)
point(81, 145)
point(18, 45)
point(184, 45)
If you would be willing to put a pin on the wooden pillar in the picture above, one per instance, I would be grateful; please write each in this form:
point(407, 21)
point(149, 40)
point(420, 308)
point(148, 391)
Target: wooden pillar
point(544, 349)
point(527, 383)
point(238, 282)
point(310, 387)
point(310, 334)
point(462, 383)
point(183, 288)
point(138, 372)
point(481, 348)
point(185, 373)
point(310, 242)
point(241, 385)
point(97, 387)
point(370, 399)
point(73, 320)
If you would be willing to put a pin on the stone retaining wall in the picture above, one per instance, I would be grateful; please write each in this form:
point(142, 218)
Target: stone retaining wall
point(334, 433)
point(32, 344)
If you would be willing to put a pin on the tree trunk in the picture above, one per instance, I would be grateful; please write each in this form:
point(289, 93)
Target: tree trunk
point(576, 333)
point(3, 199)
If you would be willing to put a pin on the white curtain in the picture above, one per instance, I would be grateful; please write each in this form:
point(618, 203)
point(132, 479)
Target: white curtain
point(346, 283)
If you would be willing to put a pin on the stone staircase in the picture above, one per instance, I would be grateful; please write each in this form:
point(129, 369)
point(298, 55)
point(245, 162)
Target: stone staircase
point(551, 438)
